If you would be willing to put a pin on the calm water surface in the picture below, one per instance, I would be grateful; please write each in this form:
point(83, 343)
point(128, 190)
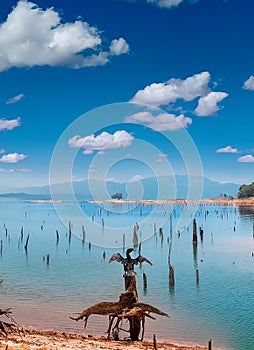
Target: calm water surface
point(220, 306)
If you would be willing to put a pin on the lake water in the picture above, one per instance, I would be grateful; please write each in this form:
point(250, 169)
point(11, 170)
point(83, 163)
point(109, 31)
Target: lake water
point(44, 295)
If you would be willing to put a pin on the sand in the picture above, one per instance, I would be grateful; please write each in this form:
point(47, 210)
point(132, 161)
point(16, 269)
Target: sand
point(50, 340)
point(217, 201)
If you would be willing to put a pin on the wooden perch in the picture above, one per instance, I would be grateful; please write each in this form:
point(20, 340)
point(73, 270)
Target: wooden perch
point(126, 307)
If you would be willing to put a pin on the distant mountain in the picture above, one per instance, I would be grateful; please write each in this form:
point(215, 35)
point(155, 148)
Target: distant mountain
point(164, 187)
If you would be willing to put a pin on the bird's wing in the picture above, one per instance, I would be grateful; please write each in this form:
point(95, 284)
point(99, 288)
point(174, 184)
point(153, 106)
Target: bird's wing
point(141, 259)
point(116, 257)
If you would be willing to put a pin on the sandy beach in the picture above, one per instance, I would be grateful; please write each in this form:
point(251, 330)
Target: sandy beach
point(219, 201)
point(50, 340)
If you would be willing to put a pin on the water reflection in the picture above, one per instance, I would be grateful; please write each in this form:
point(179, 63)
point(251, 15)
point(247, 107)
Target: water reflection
point(246, 211)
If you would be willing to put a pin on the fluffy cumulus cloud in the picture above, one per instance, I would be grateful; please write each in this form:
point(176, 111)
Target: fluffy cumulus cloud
point(32, 36)
point(119, 47)
point(160, 122)
point(249, 83)
point(246, 159)
point(103, 141)
point(161, 94)
point(12, 158)
point(15, 99)
point(208, 105)
point(165, 3)
point(227, 149)
point(189, 89)
point(9, 124)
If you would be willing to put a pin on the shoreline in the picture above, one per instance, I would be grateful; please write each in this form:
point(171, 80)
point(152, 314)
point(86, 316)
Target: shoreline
point(30, 339)
point(219, 201)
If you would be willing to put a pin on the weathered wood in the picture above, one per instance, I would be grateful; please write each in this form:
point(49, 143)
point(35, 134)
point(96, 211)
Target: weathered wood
point(26, 244)
point(201, 232)
point(6, 327)
point(172, 275)
point(144, 281)
point(127, 307)
point(194, 237)
point(154, 342)
point(83, 234)
point(130, 285)
point(171, 267)
point(197, 277)
point(135, 237)
point(135, 320)
point(57, 237)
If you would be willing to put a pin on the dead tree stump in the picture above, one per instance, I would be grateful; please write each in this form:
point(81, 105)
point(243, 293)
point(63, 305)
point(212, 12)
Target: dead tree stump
point(172, 275)
point(194, 237)
point(135, 321)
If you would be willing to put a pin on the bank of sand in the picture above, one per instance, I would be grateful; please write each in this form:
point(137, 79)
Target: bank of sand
point(50, 340)
point(217, 201)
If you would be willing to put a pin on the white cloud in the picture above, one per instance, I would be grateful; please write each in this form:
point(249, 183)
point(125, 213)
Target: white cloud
point(6, 124)
point(15, 99)
point(100, 142)
point(207, 105)
point(161, 122)
point(227, 149)
point(99, 59)
point(136, 178)
point(165, 3)
point(2, 151)
point(249, 83)
point(24, 170)
point(161, 157)
point(161, 94)
point(12, 158)
point(31, 36)
point(119, 47)
point(3, 170)
point(246, 159)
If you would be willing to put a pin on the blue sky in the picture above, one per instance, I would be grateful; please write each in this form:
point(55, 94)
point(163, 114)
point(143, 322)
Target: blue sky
point(185, 67)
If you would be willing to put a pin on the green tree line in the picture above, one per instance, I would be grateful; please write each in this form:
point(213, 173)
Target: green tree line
point(246, 191)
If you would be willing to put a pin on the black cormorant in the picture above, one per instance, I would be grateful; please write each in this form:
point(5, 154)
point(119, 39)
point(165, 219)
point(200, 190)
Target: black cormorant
point(128, 262)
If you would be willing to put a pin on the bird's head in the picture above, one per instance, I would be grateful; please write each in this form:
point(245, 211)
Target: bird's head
point(130, 250)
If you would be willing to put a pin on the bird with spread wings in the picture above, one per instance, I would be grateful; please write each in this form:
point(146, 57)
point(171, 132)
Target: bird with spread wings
point(128, 262)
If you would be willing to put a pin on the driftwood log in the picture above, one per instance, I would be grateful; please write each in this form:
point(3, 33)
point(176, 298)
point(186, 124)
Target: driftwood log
point(7, 327)
point(128, 307)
